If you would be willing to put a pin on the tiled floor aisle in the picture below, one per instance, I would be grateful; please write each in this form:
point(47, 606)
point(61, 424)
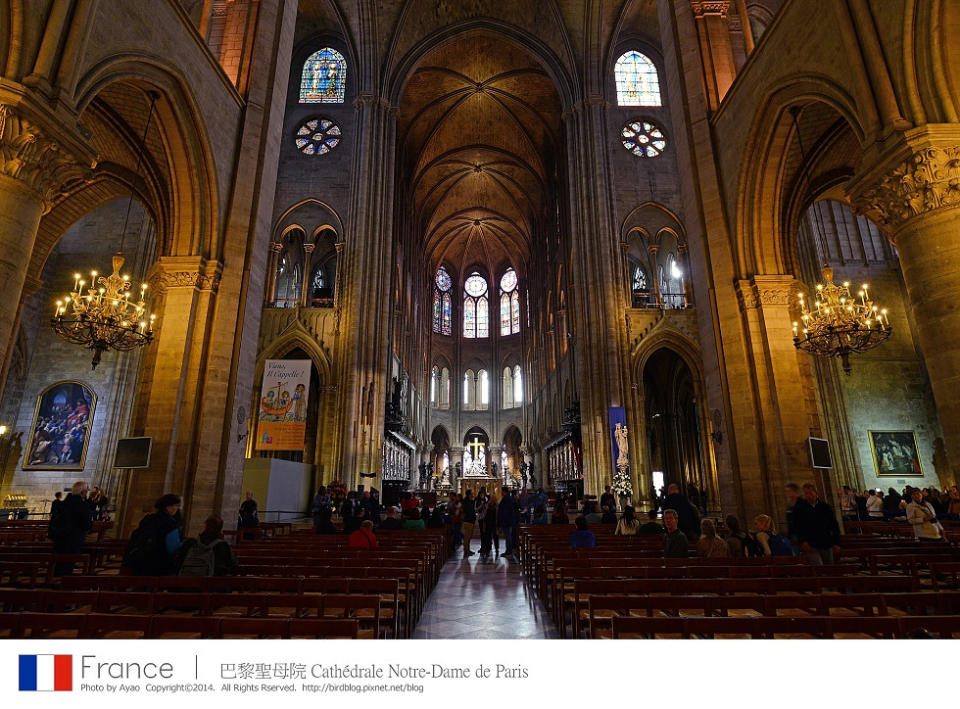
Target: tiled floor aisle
point(477, 600)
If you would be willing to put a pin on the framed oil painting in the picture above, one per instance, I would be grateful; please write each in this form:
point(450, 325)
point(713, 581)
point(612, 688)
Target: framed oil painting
point(895, 454)
point(60, 432)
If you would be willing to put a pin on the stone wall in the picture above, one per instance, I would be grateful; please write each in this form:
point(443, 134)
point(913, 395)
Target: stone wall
point(87, 245)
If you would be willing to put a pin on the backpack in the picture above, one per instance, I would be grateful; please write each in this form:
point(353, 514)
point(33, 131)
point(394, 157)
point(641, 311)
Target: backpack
point(780, 545)
point(200, 559)
point(751, 546)
point(144, 544)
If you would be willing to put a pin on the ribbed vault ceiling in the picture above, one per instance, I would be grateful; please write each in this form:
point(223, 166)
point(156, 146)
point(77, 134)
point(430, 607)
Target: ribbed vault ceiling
point(479, 136)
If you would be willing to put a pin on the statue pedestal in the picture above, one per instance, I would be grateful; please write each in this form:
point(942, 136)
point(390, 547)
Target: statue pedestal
point(475, 483)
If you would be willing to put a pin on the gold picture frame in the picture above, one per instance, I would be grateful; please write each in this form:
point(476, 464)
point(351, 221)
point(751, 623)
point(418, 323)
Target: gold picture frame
point(64, 410)
point(895, 454)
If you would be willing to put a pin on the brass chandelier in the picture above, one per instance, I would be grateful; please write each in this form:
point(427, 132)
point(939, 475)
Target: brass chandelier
point(104, 316)
point(839, 323)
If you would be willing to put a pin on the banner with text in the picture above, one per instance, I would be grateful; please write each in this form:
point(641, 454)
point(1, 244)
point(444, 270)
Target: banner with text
point(282, 418)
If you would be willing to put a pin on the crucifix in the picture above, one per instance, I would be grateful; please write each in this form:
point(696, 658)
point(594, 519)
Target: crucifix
point(475, 447)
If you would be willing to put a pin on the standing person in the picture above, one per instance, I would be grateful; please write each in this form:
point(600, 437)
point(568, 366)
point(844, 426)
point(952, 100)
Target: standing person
point(248, 513)
point(874, 505)
point(891, 504)
point(688, 518)
point(793, 497)
point(848, 504)
point(320, 501)
point(737, 540)
point(488, 529)
point(155, 543)
point(817, 528)
point(325, 522)
point(507, 515)
point(953, 503)
point(56, 503)
point(920, 513)
point(69, 526)
point(608, 500)
point(560, 513)
point(469, 520)
point(675, 543)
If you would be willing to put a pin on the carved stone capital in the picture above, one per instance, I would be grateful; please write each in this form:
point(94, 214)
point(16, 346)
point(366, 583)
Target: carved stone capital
point(767, 291)
point(701, 8)
point(185, 272)
point(927, 179)
point(36, 160)
point(276, 246)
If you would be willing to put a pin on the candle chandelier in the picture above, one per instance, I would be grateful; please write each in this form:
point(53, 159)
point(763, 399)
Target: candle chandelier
point(101, 315)
point(839, 324)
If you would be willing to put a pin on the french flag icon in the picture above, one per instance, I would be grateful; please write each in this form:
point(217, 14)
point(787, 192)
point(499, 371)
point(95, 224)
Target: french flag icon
point(46, 673)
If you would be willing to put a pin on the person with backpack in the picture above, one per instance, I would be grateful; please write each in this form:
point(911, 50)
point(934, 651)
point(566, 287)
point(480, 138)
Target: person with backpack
point(363, 538)
point(208, 554)
point(154, 545)
point(69, 524)
point(771, 543)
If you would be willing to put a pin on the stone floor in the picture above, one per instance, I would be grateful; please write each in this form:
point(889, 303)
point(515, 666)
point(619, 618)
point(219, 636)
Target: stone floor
point(474, 600)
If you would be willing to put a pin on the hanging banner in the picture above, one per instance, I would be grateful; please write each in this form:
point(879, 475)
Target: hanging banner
point(282, 417)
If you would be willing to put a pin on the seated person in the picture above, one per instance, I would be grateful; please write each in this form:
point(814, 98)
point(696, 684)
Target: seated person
point(209, 546)
point(413, 520)
point(651, 526)
point(363, 538)
point(711, 545)
point(391, 521)
point(609, 516)
point(540, 515)
point(581, 537)
point(590, 512)
point(436, 520)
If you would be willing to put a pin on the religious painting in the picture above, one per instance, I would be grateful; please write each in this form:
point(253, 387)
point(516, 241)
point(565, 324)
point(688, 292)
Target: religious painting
point(895, 453)
point(282, 415)
point(60, 432)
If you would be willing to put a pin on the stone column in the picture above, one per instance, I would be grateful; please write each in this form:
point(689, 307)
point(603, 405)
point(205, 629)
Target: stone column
point(364, 307)
point(786, 418)
point(597, 317)
point(307, 270)
point(716, 52)
point(652, 250)
point(912, 192)
point(269, 290)
point(33, 170)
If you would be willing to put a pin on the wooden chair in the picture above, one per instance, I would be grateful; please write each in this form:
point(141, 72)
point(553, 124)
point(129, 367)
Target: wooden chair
point(230, 627)
point(364, 608)
point(324, 628)
point(110, 625)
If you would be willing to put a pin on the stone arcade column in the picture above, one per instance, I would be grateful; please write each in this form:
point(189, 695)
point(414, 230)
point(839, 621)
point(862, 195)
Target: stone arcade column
point(716, 52)
point(33, 169)
point(365, 313)
point(912, 192)
point(787, 412)
point(602, 353)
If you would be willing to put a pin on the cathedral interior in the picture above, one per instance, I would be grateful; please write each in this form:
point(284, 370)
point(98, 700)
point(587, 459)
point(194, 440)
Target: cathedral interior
point(485, 237)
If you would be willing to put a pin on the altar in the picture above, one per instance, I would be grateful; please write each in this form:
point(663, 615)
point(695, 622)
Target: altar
point(476, 482)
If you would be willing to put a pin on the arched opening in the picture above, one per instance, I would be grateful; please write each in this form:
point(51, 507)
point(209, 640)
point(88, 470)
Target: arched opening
point(673, 427)
point(476, 453)
point(440, 453)
point(511, 456)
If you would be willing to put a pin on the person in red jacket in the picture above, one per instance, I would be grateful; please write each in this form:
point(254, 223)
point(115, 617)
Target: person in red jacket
point(363, 538)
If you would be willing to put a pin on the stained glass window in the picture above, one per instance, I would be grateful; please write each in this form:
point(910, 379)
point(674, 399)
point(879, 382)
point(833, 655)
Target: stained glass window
point(318, 281)
point(467, 386)
point(509, 303)
point(442, 279)
point(476, 307)
point(447, 314)
point(469, 318)
point(324, 77)
point(442, 303)
point(504, 314)
point(318, 136)
point(643, 138)
point(637, 82)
